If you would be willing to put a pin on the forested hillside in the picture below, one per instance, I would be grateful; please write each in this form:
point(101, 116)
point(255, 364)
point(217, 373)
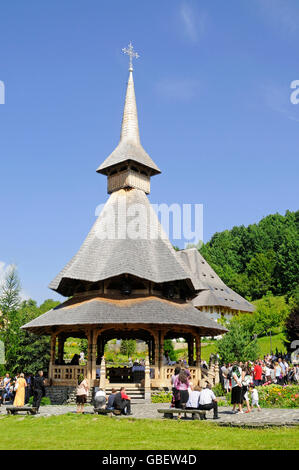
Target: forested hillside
point(259, 258)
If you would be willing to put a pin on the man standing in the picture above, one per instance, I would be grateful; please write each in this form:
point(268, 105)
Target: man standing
point(257, 374)
point(122, 402)
point(207, 401)
point(38, 389)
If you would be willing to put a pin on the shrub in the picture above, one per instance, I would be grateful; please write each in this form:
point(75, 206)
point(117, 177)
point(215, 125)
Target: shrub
point(218, 390)
point(44, 401)
point(162, 397)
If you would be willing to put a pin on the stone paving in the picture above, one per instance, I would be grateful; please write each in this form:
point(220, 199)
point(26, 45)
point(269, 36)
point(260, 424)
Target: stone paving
point(266, 417)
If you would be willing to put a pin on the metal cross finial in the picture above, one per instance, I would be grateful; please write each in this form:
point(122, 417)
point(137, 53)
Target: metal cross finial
point(130, 51)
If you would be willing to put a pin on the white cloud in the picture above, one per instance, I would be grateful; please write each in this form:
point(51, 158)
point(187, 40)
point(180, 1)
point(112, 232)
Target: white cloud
point(193, 21)
point(180, 89)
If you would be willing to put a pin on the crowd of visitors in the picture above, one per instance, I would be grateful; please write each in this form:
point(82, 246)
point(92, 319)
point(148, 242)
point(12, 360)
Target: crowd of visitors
point(17, 390)
point(241, 378)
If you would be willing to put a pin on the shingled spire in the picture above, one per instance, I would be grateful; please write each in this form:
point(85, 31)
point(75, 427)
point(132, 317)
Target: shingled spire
point(129, 126)
point(129, 165)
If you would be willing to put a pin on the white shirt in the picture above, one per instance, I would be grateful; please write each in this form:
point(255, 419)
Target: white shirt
point(193, 399)
point(255, 395)
point(206, 396)
point(100, 393)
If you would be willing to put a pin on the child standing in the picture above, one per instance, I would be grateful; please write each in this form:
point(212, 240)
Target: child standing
point(254, 398)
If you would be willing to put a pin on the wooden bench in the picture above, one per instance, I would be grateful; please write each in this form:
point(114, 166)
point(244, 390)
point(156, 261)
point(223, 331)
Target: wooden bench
point(104, 411)
point(12, 410)
point(170, 412)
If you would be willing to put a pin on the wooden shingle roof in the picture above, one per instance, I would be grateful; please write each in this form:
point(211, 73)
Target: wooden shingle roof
point(212, 291)
point(150, 257)
point(98, 310)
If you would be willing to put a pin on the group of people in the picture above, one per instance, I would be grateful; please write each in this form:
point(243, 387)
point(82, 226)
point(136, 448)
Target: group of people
point(186, 395)
point(18, 390)
point(263, 372)
point(117, 400)
point(242, 378)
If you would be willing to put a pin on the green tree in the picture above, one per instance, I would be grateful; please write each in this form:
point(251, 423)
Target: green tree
point(9, 295)
point(271, 312)
point(237, 345)
point(128, 347)
point(261, 257)
point(168, 347)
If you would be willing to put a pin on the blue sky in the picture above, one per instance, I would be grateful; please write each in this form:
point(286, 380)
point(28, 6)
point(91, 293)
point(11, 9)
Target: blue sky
point(213, 95)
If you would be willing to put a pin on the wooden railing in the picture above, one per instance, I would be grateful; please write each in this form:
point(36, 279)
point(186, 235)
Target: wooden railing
point(68, 373)
point(168, 372)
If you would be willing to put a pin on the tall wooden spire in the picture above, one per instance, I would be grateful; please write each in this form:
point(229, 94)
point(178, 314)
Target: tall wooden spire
point(129, 165)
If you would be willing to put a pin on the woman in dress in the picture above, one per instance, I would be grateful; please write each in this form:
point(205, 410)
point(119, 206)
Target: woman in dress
point(237, 388)
point(81, 393)
point(20, 386)
point(181, 385)
point(174, 390)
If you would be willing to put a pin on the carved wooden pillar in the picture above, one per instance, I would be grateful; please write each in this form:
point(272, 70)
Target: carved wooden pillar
point(103, 374)
point(147, 381)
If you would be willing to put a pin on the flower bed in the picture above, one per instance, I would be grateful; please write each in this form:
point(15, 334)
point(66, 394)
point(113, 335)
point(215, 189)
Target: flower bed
point(276, 396)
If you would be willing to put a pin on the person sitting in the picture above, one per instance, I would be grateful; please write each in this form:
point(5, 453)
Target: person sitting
point(100, 399)
point(122, 402)
point(208, 401)
point(7, 394)
point(110, 402)
point(194, 394)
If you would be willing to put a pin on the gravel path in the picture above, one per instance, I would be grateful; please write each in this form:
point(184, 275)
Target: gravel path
point(267, 417)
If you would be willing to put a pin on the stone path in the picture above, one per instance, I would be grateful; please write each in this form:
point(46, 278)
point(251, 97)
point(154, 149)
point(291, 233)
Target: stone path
point(267, 417)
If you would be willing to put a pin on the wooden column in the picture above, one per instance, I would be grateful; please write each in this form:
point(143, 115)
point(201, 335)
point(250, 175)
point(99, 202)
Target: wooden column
point(61, 340)
point(52, 356)
point(93, 355)
point(156, 353)
point(198, 350)
point(191, 348)
point(89, 335)
point(161, 352)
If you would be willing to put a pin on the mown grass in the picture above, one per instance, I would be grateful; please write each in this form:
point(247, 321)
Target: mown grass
point(87, 432)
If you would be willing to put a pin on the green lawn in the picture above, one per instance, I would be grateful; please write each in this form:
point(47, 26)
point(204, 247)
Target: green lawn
point(89, 432)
